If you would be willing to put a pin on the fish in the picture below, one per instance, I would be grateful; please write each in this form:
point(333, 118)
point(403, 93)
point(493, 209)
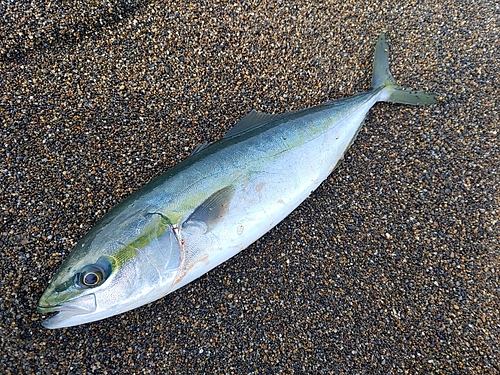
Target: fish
point(212, 205)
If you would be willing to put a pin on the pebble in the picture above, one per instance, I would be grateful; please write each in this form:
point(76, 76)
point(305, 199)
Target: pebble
point(391, 266)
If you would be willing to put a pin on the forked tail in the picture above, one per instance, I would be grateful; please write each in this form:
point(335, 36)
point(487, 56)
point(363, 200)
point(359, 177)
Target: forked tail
point(382, 79)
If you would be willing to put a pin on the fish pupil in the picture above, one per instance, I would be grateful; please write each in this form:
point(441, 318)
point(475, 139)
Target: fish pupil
point(90, 279)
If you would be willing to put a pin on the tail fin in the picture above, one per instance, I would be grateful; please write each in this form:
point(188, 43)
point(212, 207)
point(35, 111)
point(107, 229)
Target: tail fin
point(382, 78)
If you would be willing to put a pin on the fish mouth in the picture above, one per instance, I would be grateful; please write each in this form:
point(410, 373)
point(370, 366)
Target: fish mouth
point(68, 313)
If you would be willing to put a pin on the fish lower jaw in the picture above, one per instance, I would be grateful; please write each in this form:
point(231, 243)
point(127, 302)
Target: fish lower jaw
point(47, 309)
point(63, 314)
point(59, 317)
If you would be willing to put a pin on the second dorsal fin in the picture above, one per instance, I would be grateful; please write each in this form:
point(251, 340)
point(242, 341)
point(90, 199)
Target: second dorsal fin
point(253, 119)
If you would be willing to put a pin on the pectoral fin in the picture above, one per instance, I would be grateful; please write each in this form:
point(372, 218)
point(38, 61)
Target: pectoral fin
point(212, 209)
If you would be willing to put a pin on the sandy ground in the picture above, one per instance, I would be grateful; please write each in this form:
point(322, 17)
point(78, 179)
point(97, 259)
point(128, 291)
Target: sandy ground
point(391, 266)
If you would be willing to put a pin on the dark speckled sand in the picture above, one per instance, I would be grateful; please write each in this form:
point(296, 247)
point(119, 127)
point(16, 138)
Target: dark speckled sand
point(391, 266)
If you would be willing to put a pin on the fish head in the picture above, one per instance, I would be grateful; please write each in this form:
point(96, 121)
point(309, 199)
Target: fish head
point(124, 262)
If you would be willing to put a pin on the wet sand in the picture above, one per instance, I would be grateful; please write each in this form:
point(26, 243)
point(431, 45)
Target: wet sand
point(391, 266)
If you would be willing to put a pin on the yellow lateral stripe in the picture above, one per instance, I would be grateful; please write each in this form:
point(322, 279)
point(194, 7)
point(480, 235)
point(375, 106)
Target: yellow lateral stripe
point(153, 230)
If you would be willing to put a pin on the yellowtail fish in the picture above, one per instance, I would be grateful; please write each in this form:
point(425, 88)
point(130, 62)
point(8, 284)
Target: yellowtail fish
point(212, 205)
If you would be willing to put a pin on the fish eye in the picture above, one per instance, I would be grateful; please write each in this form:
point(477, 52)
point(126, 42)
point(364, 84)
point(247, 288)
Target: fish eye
point(92, 278)
point(93, 275)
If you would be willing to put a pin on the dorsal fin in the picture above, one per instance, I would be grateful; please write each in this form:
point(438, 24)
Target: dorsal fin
point(253, 119)
point(199, 147)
